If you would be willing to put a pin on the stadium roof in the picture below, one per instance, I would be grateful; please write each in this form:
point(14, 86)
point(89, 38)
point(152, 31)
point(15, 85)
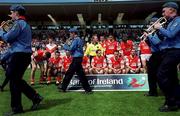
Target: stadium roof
point(63, 11)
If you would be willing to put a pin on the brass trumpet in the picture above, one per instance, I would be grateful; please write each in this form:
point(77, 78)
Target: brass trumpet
point(150, 30)
point(7, 25)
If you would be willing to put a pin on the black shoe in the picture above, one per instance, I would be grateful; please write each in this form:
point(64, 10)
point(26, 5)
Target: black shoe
point(37, 100)
point(60, 88)
point(151, 94)
point(166, 108)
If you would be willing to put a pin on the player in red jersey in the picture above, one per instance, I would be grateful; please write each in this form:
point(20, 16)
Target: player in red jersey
point(99, 64)
point(111, 45)
point(116, 64)
point(51, 46)
point(38, 59)
point(103, 43)
point(145, 54)
point(133, 63)
point(86, 64)
point(55, 68)
point(66, 62)
point(126, 47)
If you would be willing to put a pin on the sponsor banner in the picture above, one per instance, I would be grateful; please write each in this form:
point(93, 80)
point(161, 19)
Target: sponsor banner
point(113, 82)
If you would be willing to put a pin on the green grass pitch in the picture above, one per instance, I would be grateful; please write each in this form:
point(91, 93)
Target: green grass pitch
point(77, 104)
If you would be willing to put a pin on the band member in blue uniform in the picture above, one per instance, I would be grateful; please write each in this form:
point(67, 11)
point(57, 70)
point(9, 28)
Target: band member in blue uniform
point(170, 53)
point(19, 37)
point(76, 49)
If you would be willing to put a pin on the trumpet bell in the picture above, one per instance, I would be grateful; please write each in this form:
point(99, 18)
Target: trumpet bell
point(7, 25)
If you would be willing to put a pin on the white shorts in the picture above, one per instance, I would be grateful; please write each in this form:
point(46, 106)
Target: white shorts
point(145, 57)
point(109, 56)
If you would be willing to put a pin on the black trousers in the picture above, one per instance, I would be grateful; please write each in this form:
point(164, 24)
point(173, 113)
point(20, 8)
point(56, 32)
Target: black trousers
point(76, 66)
point(167, 75)
point(152, 68)
point(15, 71)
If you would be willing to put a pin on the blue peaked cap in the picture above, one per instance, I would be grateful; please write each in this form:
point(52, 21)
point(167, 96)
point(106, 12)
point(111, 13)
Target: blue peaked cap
point(73, 30)
point(171, 5)
point(17, 8)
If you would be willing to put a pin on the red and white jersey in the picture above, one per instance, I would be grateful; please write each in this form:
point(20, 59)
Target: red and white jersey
point(110, 46)
point(99, 62)
point(38, 55)
point(127, 47)
point(144, 48)
point(57, 62)
point(66, 62)
point(133, 62)
point(51, 47)
point(116, 63)
point(103, 44)
point(85, 62)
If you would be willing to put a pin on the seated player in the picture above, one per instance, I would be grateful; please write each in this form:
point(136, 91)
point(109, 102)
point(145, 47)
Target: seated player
point(38, 59)
point(133, 63)
point(145, 54)
point(54, 68)
point(99, 65)
point(86, 64)
point(66, 62)
point(116, 64)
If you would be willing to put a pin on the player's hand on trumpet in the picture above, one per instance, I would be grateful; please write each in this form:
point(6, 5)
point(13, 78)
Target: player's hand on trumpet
point(157, 25)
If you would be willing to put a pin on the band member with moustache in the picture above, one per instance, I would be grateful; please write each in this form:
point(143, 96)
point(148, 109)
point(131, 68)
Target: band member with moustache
point(170, 53)
point(19, 37)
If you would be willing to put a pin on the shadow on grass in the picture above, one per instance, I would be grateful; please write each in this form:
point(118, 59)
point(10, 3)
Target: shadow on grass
point(52, 103)
point(47, 104)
